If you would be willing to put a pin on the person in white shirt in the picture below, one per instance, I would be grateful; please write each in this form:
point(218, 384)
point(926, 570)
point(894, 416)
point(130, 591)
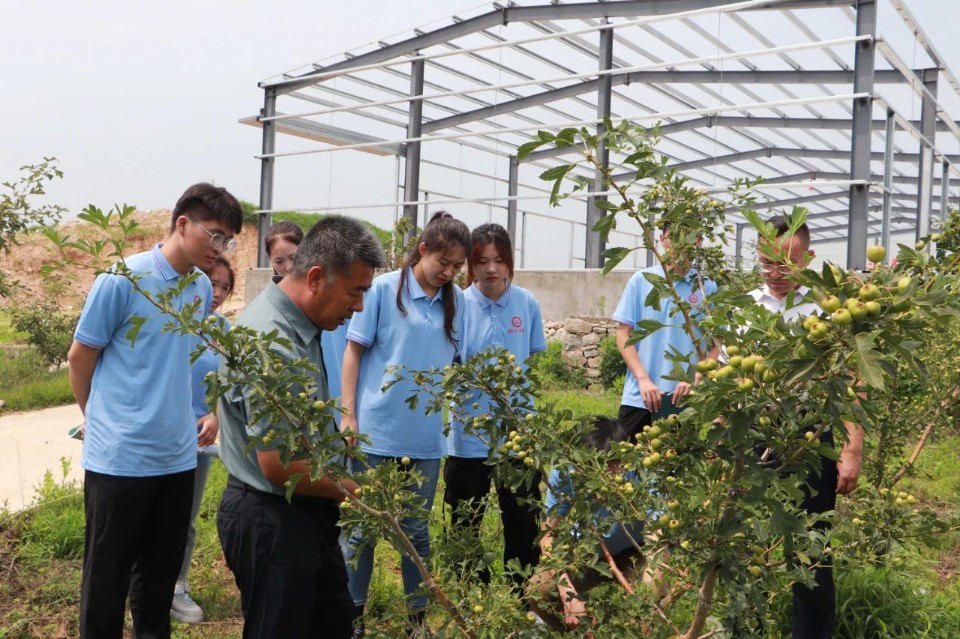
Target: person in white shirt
point(813, 609)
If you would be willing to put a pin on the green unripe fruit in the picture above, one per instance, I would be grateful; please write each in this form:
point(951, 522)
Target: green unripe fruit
point(876, 253)
point(904, 283)
point(748, 364)
point(724, 372)
point(873, 308)
point(818, 330)
point(755, 571)
point(733, 349)
point(707, 365)
point(736, 361)
point(858, 310)
point(745, 385)
point(935, 237)
point(405, 461)
point(869, 292)
point(830, 303)
point(919, 245)
point(841, 317)
point(765, 421)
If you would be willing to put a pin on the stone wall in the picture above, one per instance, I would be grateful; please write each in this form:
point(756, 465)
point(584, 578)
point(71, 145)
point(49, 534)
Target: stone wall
point(581, 336)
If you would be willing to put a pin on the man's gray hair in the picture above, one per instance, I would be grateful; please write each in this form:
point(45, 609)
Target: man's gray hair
point(336, 243)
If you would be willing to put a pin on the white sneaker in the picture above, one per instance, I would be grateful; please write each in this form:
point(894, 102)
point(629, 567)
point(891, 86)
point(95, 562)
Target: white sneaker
point(184, 608)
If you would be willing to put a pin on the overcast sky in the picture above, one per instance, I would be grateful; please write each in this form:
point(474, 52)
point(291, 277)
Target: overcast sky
point(139, 100)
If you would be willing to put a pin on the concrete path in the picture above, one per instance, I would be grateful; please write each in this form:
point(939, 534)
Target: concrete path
point(32, 443)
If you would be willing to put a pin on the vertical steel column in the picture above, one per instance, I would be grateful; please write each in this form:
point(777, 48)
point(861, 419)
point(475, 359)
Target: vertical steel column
point(887, 182)
point(593, 253)
point(928, 129)
point(944, 192)
point(650, 239)
point(863, 67)
point(411, 168)
point(269, 146)
point(738, 247)
point(512, 187)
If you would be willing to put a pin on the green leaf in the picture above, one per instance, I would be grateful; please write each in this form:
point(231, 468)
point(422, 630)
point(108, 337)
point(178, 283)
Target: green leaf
point(613, 257)
point(138, 323)
point(556, 172)
point(868, 361)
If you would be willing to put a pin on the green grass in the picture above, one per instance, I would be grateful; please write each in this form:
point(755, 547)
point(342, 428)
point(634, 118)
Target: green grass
point(27, 384)
point(41, 547)
point(7, 334)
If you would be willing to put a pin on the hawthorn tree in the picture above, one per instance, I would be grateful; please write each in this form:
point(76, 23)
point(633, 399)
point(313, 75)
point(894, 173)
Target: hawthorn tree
point(722, 522)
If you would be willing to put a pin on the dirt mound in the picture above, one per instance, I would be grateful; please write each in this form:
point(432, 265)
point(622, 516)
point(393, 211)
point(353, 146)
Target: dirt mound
point(70, 285)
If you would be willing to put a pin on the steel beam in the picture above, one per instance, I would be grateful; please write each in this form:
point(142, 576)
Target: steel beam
point(738, 247)
point(269, 146)
point(887, 180)
point(860, 154)
point(411, 174)
point(593, 251)
point(944, 193)
point(673, 77)
point(928, 120)
point(512, 190)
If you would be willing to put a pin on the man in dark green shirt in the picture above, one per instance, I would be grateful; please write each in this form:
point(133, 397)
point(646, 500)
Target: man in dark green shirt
point(285, 556)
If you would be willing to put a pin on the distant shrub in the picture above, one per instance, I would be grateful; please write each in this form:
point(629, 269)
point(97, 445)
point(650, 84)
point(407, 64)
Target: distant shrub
point(612, 365)
point(553, 369)
point(49, 329)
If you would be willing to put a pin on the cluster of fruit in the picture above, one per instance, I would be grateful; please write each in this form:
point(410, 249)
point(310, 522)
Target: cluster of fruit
point(742, 365)
point(519, 445)
point(653, 434)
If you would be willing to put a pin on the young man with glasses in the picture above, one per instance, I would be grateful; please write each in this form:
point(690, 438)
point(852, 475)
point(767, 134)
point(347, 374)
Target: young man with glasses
point(140, 436)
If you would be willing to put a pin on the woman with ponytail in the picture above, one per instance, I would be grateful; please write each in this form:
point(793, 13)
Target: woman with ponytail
point(411, 317)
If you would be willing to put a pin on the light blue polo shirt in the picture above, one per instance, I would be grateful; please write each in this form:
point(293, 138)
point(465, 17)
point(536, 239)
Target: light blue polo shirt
point(512, 322)
point(334, 344)
point(208, 362)
point(557, 504)
point(139, 417)
point(654, 348)
point(415, 340)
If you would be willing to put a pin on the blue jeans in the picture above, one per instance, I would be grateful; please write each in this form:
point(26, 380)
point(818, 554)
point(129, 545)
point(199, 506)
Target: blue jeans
point(199, 483)
point(416, 529)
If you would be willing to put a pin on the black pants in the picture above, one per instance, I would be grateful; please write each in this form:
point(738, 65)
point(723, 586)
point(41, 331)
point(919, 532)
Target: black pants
point(814, 609)
point(286, 560)
point(633, 419)
point(469, 480)
point(136, 530)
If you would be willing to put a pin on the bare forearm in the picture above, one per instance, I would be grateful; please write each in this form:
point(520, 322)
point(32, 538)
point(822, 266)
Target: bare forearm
point(629, 354)
point(83, 362)
point(325, 486)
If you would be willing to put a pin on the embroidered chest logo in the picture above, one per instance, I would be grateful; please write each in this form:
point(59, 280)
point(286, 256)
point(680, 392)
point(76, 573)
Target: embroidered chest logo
point(517, 324)
point(694, 298)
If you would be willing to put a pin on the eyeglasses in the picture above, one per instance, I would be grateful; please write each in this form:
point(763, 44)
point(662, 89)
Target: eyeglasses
point(779, 269)
point(218, 241)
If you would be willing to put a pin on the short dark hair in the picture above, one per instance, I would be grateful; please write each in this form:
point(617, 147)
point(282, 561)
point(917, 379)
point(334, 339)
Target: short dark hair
point(604, 433)
point(283, 230)
point(205, 201)
point(782, 225)
point(336, 243)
